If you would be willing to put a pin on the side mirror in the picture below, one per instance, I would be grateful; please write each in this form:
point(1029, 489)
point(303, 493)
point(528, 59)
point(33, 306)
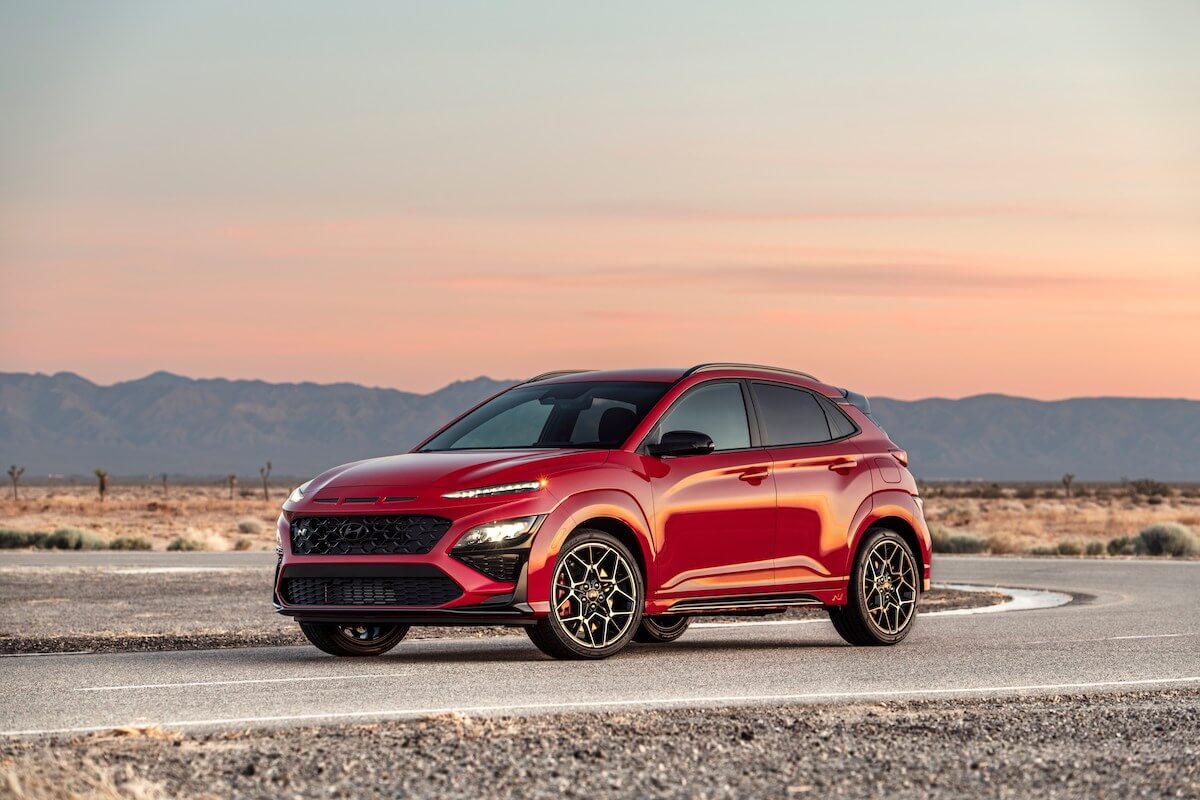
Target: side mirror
point(682, 443)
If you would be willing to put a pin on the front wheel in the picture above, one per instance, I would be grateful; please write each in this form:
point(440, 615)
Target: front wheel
point(884, 589)
point(596, 599)
point(353, 640)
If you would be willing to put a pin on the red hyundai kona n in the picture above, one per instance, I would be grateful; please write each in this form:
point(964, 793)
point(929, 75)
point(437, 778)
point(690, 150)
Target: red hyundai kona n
point(598, 508)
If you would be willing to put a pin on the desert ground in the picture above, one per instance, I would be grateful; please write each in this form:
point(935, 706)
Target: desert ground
point(1009, 518)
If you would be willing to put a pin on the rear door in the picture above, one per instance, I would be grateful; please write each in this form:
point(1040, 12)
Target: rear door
point(821, 479)
point(715, 513)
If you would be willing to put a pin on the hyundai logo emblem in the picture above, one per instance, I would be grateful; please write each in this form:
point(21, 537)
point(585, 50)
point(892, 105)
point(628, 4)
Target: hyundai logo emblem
point(353, 531)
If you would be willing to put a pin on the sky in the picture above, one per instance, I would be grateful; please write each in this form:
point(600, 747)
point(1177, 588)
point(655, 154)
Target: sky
point(913, 200)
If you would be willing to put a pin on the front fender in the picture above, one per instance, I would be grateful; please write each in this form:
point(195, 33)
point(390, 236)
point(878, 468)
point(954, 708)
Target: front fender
point(569, 515)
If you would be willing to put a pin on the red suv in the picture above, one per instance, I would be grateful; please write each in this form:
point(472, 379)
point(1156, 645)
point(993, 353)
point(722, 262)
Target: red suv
point(596, 508)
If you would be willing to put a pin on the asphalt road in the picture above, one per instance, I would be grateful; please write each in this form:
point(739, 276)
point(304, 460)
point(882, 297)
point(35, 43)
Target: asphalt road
point(1132, 626)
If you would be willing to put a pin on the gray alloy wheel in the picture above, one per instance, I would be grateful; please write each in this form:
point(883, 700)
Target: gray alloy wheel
point(883, 594)
point(353, 640)
point(661, 628)
point(596, 599)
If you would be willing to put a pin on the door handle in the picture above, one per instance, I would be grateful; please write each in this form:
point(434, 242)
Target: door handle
point(754, 475)
point(845, 465)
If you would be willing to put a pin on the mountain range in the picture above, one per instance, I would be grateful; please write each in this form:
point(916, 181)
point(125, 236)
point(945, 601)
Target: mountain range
point(66, 424)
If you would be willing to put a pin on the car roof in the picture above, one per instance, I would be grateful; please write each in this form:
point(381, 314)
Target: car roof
point(672, 375)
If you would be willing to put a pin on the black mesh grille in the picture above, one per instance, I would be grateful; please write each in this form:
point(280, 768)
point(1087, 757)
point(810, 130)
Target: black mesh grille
point(408, 535)
point(369, 591)
point(497, 566)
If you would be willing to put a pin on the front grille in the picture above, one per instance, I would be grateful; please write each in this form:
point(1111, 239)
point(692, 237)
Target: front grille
point(408, 535)
point(432, 591)
point(497, 566)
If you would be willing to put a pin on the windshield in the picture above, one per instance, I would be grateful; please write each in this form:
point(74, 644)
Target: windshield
point(584, 415)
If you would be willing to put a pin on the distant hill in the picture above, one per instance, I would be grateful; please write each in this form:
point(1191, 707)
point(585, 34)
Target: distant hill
point(166, 423)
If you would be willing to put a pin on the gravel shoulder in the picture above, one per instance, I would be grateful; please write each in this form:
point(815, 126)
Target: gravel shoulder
point(1099, 745)
point(56, 610)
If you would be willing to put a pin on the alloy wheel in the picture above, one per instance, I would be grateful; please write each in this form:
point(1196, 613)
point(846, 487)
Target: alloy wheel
point(594, 594)
point(362, 633)
point(890, 586)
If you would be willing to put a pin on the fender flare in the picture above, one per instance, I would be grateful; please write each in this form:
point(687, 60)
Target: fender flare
point(883, 504)
point(569, 515)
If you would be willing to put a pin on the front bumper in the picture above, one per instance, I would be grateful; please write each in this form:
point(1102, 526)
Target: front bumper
point(478, 599)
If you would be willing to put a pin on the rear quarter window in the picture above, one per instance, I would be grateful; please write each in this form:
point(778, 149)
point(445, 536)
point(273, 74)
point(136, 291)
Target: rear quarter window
point(790, 416)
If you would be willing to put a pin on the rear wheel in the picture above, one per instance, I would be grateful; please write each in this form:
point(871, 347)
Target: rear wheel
point(353, 640)
point(661, 629)
point(884, 590)
point(596, 599)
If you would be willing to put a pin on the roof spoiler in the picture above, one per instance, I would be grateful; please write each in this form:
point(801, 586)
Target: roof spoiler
point(857, 400)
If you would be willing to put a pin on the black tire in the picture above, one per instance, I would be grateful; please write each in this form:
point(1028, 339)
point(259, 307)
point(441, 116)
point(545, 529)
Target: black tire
point(853, 621)
point(353, 640)
point(661, 628)
point(563, 640)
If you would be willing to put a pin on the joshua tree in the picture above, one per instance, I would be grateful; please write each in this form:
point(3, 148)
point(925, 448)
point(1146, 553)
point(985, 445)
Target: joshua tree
point(164, 481)
point(1068, 479)
point(102, 477)
point(231, 479)
point(266, 478)
point(14, 475)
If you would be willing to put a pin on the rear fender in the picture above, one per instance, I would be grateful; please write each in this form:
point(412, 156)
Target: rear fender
point(890, 503)
point(570, 514)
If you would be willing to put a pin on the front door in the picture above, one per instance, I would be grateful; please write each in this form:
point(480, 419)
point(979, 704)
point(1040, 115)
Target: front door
point(715, 513)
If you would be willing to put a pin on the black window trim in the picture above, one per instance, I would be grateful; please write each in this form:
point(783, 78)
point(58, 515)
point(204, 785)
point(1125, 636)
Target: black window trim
point(762, 433)
point(747, 401)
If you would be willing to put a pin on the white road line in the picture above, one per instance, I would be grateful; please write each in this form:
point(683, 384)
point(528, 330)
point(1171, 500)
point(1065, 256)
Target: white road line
point(627, 703)
point(1111, 638)
point(304, 678)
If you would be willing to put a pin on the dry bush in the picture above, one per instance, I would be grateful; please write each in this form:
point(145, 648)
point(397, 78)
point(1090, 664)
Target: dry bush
point(250, 525)
point(1167, 539)
point(1005, 544)
point(47, 775)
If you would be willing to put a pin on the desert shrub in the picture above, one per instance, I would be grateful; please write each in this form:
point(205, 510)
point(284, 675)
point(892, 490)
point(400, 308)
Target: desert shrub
point(1145, 487)
point(1167, 539)
point(130, 543)
point(250, 525)
point(1122, 546)
point(243, 544)
point(74, 539)
point(14, 539)
point(184, 544)
point(1069, 548)
point(1002, 544)
point(990, 492)
point(1043, 550)
point(946, 542)
point(1094, 548)
point(1026, 493)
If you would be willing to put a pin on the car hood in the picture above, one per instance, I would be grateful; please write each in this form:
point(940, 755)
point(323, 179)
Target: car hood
point(459, 469)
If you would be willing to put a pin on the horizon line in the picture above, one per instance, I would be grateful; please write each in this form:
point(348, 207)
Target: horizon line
point(515, 381)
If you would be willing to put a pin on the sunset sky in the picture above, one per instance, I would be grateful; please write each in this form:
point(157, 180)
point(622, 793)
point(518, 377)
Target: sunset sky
point(911, 199)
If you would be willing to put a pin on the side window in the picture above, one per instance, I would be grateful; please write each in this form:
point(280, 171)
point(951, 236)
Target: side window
point(716, 409)
point(839, 424)
point(789, 416)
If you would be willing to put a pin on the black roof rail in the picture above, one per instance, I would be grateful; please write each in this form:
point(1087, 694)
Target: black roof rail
point(553, 374)
point(732, 365)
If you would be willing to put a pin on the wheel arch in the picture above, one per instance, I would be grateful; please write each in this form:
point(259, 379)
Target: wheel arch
point(898, 511)
point(611, 511)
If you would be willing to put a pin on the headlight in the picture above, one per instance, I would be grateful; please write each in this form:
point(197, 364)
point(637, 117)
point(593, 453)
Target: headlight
point(492, 491)
point(298, 493)
point(502, 533)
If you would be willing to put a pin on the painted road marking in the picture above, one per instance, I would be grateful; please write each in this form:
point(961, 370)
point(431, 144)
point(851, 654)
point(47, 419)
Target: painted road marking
point(192, 684)
point(627, 703)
